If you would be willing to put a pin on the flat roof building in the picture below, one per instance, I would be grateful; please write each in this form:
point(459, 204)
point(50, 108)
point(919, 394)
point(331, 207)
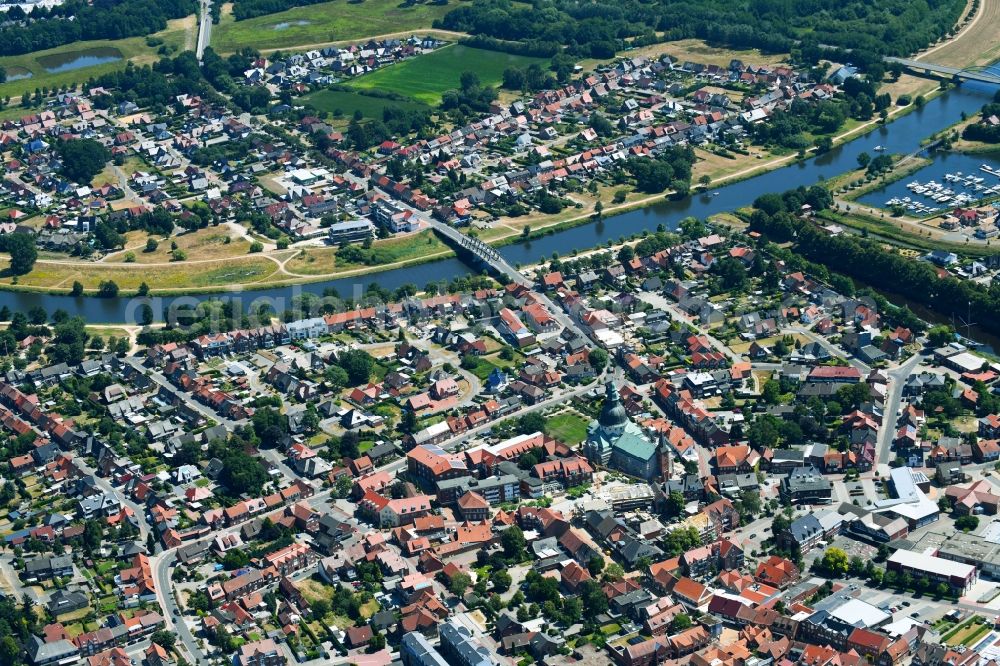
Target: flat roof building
point(957, 575)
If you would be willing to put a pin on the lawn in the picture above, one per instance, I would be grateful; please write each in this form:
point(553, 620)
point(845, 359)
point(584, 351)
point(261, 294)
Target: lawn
point(347, 103)
point(967, 633)
point(313, 590)
point(208, 243)
point(176, 276)
point(427, 77)
point(323, 23)
point(136, 49)
point(322, 261)
point(567, 427)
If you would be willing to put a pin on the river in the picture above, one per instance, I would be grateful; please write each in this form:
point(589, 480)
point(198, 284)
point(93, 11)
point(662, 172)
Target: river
point(900, 136)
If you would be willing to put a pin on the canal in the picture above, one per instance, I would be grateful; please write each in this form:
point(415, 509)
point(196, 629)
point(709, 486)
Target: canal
point(900, 136)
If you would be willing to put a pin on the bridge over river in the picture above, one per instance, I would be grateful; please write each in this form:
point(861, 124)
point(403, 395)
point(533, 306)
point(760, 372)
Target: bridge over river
point(980, 76)
point(484, 253)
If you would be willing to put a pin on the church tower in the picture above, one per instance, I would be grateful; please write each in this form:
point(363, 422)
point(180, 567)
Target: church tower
point(663, 453)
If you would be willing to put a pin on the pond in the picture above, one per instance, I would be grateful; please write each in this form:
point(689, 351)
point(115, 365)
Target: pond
point(17, 74)
point(65, 62)
point(284, 25)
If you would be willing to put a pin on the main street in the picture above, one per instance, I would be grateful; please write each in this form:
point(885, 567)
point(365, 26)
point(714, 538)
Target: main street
point(897, 378)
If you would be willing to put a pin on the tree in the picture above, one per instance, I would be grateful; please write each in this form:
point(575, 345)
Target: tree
point(596, 565)
point(408, 422)
point(513, 543)
point(771, 392)
point(77, 289)
point(613, 572)
point(940, 335)
point(82, 159)
point(145, 314)
point(69, 341)
point(600, 124)
point(320, 608)
point(107, 289)
point(598, 359)
point(459, 583)
point(151, 245)
point(270, 425)
point(750, 501)
point(501, 581)
point(835, 562)
point(531, 423)
point(966, 523)
point(594, 601)
point(243, 474)
point(675, 503)
point(764, 432)
point(359, 365)
point(680, 622)
point(23, 253)
point(164, 638)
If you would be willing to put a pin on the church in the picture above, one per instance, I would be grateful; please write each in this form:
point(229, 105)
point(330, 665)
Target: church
point(615, 442)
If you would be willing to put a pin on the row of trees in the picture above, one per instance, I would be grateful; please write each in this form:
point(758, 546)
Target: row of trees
point(598, 29)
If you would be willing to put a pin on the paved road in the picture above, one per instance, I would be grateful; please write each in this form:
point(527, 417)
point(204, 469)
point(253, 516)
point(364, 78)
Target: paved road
point(897, 377)
point(661, 302)
point(161, 380)
point(921, 66)
point(161, 565)
point(105, 485)
point(204, 28)
point(485, 253)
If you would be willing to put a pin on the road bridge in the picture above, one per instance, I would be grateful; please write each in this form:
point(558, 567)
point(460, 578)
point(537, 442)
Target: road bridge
point(481, 251)
point(922, 67)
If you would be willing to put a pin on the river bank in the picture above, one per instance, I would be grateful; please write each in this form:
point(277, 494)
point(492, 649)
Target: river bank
point(577, 232)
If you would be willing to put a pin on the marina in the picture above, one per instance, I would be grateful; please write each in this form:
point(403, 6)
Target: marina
point(952, 180)
point(958, 190)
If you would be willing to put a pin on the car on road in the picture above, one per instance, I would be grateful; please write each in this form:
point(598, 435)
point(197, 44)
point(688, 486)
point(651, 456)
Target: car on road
point(906, 603)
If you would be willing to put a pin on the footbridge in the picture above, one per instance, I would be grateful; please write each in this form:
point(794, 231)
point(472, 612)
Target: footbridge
point(970, 74)
point(481, 252)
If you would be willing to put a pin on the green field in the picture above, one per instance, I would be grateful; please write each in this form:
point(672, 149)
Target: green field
point(349, 102)
point(567, 427)
point(427, 77)
point(135, 49)
point(323, 23)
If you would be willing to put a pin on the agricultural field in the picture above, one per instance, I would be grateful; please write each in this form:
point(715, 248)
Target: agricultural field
point(80, 61)
point(322, 24)
point(347, 103)
point(426, 78)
